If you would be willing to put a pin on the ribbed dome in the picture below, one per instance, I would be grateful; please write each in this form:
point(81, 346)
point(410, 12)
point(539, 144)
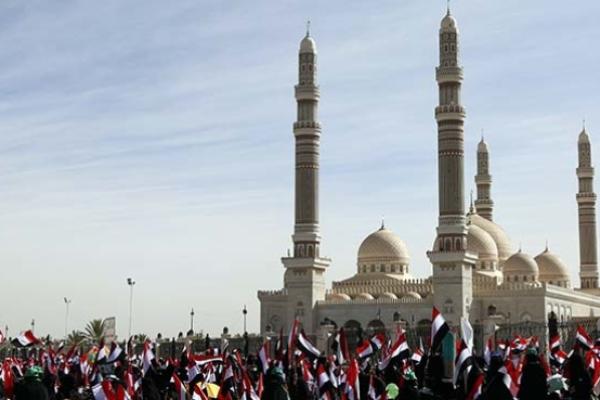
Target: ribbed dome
point(481, 243)
point(383, 246)
point(308, 45)
point(449, 23)
point(388, 295)
point(521, 265)
point(502, 241)
point(412, 295)
point(552, 268)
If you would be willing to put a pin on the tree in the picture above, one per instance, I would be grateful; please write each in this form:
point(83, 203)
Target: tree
point(141, 338)
point(94, 330)
point(74, 338)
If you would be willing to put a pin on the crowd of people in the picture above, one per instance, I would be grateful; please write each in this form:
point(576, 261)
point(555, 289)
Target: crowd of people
point(292, 367)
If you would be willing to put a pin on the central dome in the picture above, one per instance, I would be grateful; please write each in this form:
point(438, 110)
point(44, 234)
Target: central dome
point(383, 245)
point(383, 252)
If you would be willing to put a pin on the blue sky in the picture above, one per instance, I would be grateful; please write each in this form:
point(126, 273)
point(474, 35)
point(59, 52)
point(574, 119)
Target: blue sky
point(154, 140)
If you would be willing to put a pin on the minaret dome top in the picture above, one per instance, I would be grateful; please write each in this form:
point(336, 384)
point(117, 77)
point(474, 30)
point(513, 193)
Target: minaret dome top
point(482, 146)
point(449, 23)
point(583, 137)
point(308, 45)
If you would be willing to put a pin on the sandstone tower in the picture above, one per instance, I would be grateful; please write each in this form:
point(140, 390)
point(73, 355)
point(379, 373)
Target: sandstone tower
point(484, 203)
point(304, 278)
point(586, 201)
point(452, 265)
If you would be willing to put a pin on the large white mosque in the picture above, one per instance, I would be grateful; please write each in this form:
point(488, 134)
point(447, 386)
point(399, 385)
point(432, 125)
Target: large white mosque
point(476, 270)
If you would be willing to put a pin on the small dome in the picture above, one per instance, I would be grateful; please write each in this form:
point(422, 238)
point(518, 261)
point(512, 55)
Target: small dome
point(552, 268)
point(339, 296)
point(520, 265)
point(412, 295)
point(583, 137)
point(383, 246)
point(481, 243)
point(482, 146)
point(308, 45)
point(388, 295)
point(449, 23)
point(366, 296)
point(496, 232)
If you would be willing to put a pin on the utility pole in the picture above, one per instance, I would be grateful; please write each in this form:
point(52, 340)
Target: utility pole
point(67, 303)
point(130, 283)
point(192, 320)
point(245, 312)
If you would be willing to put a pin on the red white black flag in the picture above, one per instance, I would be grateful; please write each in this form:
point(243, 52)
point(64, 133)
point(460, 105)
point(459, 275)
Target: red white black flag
point(25, 339)
point(439, 329)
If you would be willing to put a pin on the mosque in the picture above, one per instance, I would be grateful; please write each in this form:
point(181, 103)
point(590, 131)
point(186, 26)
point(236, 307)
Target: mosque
point(475, 267)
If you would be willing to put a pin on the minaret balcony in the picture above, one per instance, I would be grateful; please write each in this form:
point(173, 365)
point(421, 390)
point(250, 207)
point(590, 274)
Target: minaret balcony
point(448, 74)
point(307, 124)
point(450, 109)
point(585, 197)
point(308, 92)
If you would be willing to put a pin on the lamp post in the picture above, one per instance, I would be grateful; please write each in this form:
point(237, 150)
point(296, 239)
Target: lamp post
point(192, 320)
point(67, 302)
point(245, 312)
point(130, 283)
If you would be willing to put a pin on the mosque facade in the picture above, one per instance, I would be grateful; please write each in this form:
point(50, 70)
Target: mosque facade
point(476, 270)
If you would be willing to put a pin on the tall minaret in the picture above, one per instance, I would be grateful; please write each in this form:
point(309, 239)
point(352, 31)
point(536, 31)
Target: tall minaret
point(483, 180)
point(586, 201)
point(304, 278)
point(452, 265)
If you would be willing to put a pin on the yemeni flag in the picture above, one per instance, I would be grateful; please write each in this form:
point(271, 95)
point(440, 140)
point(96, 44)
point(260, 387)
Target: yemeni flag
point(365, 349)
point(439, 329)
point(554, 343)
point(8, 378)
point(325, 384)
point(558, 358)
point(147, 357)
point(417, 355)
point(398, 352)
point(464, 358)
point(103, 391)
point(25, 339)
point(583, 339)
point(352, 391)
point(306, 346)
point(263, 356)
point(179, 387)
point(292, 339)
point(340, 347)
point(378, 341)
point(476, 389)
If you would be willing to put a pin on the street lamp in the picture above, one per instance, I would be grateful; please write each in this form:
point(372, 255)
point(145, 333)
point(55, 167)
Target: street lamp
point(192, 320)
point(130, 282)
point(67, 302)
point(245, 312)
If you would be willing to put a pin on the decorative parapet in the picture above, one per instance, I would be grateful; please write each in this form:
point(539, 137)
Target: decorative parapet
point(377, 287)
point(403, 300)
point(492, 289)
point(263, 294)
